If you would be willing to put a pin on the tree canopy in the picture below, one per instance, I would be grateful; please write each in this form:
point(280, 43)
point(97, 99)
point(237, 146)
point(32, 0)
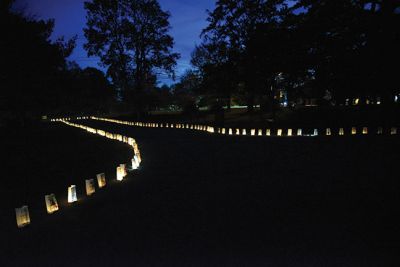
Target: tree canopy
point(132, 40)
point(37, 78)
point(345, 47)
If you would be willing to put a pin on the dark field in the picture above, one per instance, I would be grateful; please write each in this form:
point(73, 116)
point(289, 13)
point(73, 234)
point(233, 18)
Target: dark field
point(203, 200)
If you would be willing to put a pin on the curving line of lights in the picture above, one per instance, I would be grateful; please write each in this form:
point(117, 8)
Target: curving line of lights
point(22, 214)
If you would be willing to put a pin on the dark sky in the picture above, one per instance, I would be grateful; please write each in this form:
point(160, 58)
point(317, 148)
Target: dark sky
point(188, 18)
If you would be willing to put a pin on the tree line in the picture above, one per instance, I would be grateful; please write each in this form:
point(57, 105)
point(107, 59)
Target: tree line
point(249, 51)
point(311, 48)
point(36, 77)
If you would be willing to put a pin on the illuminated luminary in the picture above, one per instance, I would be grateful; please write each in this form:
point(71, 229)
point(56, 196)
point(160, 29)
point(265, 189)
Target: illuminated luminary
point(253, 132)
point(244, 132)
point(237, 132)
point(131, 141)
point(328, 131)
point(341, 131)
point(353, 130)
point(123, 166)
point(380, 130)
point(289, 132)
point(120, 173)
point(365, 130)
point(135, 162)
point(230, 131)
point(260, 133)
point(299, 132)
point(223, 131)
point(90, 189)
point(356, 101)
point(72, 194)
point(191, 126)
point(22, 216)
point(393, 130)
point(51, 203)
point(137, 152)
point(279, 132)
point(315, 132)
point(101, 180)
point(268, 132)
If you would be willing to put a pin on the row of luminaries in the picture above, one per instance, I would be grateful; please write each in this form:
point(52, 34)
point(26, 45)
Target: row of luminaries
point(22, 214)
point(259, 132)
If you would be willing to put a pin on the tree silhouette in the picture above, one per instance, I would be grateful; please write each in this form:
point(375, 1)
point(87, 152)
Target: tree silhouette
point(131, 38)
point(231, 25)
point(31, 64)
point(343, 47)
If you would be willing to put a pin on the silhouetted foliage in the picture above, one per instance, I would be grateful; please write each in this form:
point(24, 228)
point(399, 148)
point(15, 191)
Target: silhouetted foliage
point(131, 38)
point(186, 91)
point(346, 48)
point(85, 91)
point(231, 25)
point(37, 79)
point(30, 64)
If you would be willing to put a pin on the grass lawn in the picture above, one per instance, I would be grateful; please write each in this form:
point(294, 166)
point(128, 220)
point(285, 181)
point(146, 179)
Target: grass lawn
point(209, 200)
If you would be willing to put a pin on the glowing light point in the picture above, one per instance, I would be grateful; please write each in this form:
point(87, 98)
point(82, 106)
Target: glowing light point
point(101, 180)
point(299, 132)
point(51, 203)
point(22, 216)
point(90, 189)
point(72, 194)
point(328, 131)
point(120, 173)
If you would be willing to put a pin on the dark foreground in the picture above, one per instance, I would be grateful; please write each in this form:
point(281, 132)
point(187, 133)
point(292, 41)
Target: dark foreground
point(202, 200)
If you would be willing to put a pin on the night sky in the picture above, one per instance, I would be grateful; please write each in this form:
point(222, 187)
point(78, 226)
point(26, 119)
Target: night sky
point(188, 18)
